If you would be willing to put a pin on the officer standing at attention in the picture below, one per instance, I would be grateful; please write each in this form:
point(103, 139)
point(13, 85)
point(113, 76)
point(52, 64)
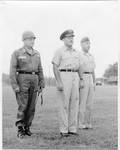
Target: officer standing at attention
point(87, 93)
point(66, 68)
point(27, 78)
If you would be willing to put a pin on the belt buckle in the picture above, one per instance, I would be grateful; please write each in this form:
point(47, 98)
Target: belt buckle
point(67, 70)
point(71, 70)
point(33, 73)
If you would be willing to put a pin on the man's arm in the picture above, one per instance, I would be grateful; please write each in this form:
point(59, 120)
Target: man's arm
point(56, 63)
point(13, 73)
point(80, 73)
point(57, 77)
point(41, 76)
point(93, 75)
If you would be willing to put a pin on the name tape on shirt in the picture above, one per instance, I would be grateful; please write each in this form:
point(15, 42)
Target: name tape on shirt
point(22, 57)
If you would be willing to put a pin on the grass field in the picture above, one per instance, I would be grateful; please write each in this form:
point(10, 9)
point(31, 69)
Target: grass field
point(45, 125)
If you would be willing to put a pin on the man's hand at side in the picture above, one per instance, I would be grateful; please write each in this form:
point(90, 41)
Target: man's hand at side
point(17, 90)
point(94, 86)
point(60, 86)
point(81, 84)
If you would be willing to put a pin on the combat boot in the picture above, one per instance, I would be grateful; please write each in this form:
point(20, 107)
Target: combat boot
point(27, 131)
point(21, 132)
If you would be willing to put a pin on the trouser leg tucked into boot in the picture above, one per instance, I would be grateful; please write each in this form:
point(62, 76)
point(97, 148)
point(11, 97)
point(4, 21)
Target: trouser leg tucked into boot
point(27, 131)
point(21, 132)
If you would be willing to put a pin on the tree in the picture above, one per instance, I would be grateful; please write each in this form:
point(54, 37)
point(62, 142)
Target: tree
point(111, 71)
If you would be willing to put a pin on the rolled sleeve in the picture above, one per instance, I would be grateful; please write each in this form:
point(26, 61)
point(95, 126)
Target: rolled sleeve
point(57, 58)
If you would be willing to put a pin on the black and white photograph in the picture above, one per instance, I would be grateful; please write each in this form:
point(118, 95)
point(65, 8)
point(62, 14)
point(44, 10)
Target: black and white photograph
point(59, 75)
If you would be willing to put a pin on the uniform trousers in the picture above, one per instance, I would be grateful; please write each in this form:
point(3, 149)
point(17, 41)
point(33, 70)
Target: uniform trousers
point(26, 98)
point(86, 100)
point(68, 100)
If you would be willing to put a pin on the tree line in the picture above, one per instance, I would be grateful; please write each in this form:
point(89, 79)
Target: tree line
point(48, 81)
point(111, 71)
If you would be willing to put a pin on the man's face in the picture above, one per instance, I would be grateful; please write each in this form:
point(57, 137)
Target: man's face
point(85, 46)
point(68, 41)
point(29, 42)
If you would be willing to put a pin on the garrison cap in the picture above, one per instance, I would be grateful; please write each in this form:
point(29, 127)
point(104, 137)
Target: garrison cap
point(67, 33)
point(85, 39)
point(27, 35)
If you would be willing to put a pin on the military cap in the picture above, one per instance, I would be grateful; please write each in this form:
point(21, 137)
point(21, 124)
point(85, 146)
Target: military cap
point(28, 34)
point(85, 39)
point(67, 33)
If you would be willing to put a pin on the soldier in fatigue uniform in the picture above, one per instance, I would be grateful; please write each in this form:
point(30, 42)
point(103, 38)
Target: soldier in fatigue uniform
point(66, 68)
point(26, 75)
point(87, 93)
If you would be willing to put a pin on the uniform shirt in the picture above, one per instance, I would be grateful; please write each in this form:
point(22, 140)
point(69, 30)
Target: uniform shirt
point(88, 64)
point(67, 59)
point(24, 60)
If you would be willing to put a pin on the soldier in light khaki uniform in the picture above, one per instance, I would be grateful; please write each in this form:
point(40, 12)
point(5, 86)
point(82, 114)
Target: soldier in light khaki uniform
point(27, 78)
point(66, 67)
point(87, 93)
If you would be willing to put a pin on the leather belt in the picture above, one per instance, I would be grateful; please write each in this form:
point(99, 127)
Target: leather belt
point(87, 72)
point(68, 70)
point(25, 72)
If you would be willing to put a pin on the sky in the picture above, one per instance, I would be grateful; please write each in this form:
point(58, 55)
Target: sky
point(97, 20)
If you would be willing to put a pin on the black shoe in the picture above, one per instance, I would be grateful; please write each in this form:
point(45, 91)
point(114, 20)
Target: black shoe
point(21, 132)
point(64, 134)
point(72, 133)
point(27, 131)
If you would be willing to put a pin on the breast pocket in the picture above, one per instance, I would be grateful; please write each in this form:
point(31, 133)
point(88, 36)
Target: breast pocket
point(22, 60)
point(76, 58)
point(36, 60)
point(65, 57)
point(92, 64)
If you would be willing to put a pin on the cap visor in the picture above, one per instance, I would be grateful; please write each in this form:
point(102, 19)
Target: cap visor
point(70, 35)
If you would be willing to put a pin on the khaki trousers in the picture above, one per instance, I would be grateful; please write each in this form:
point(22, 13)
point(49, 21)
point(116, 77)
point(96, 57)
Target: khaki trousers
point(86, 100)
point(68, 102)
